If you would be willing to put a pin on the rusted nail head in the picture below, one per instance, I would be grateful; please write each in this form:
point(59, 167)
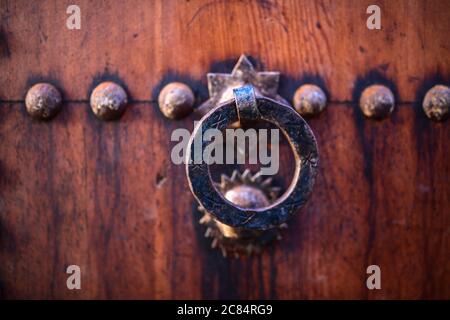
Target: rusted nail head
point(377, 101)
point(108, 101)
point(43, 101)
point(309, 100)
point(436, 103)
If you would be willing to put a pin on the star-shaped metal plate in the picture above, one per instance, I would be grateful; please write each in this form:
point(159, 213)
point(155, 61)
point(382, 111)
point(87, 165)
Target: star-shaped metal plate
point(221, 85)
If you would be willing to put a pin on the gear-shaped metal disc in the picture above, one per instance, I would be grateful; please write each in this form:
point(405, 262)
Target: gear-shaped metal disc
point(247, 191)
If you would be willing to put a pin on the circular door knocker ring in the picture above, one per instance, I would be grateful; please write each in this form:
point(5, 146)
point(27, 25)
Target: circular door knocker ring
point(247, 107)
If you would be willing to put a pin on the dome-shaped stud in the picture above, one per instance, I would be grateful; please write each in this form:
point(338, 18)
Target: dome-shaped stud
point(43, 101)
point(246, 190)
point(436, 103)
point(108, 101)
point(309, 100)
point(176, 100)
point(247, 197)
point(377, 101)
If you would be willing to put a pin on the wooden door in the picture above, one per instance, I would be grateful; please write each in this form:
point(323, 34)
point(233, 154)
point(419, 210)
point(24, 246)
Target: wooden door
point(105, 195)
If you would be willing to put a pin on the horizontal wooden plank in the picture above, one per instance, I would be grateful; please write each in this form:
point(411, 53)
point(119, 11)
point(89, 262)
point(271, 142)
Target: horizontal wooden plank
point(105, 196)
point(146, 43)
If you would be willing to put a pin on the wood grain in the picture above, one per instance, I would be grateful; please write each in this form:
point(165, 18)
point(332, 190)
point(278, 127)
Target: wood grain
point(144, 43)
point(105, 196)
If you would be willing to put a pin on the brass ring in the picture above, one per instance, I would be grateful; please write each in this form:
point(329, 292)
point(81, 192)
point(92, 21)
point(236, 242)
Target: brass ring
point(299, 136)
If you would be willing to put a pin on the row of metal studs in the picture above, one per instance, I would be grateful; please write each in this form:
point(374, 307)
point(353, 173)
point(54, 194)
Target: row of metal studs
point(176, 100)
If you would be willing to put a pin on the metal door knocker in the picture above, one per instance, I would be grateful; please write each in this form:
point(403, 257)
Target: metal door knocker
point(242, 213)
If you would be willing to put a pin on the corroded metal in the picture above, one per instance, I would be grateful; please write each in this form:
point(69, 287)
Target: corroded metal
point(377, 101)
point(108, 101)
point(309, 100)
point(246, 105)
point(221, 85)
point(303, 143)
point(43, 101)
point(247, 191)
point(436, 103)
point(176, 100)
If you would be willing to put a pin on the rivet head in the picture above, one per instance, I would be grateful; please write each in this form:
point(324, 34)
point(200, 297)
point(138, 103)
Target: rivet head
point(108, 101)
point(436, 103)
point(377, 101)
point(43, 101)
point(247, 197)
point(176, 100)
point(309, 100)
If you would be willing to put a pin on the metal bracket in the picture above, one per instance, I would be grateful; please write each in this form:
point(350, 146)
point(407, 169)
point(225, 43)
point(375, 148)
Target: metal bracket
point(221, 85)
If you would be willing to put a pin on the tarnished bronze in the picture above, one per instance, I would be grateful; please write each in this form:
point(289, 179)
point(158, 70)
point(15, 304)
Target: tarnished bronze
point(176, 100)
point(309, 100)
point(303, 144)
point(246, 105)
point(108, 101)
point(221, 85)
point(247, 191)
point(377, 101)
point(242, 213)
point(43, 101)
point(436, 103)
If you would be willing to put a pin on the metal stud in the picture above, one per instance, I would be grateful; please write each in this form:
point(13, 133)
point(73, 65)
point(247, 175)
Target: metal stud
point(43, 101)
point(108, 101)
point(377, 101)
point(309, 100)
point(436, 103)
point(246, 190)
point(221, 85)
point(176, 100)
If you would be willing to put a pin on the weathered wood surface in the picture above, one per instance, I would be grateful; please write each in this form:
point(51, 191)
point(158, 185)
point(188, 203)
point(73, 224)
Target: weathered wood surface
point(106, 196)
point(146, 42)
